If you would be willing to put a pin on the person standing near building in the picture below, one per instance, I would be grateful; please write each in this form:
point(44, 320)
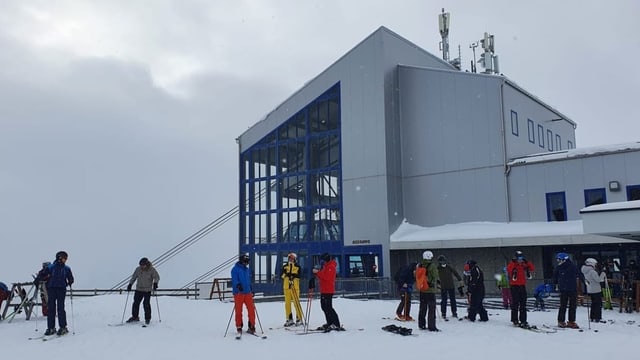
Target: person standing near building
point(242, 294)
point(503, 286)
point(291, 289)
point(42, 286)
point(327, 277)
point(519, 270)
point(593, 280)
point(428, 297)
point(476, 292)
point(565, 277)
point(404, 280)
point(146, 278)
point(447, 286)
point(59, 276)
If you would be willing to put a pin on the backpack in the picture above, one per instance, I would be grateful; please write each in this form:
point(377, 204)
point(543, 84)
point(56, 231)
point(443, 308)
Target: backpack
point(422, 282)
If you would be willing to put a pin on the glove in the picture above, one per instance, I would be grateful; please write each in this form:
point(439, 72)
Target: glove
point(312, 283)
point(239, 287)
point(69, 283)
point(129, 287)
point(461, 290)
point(36, 283)
point(155, 286)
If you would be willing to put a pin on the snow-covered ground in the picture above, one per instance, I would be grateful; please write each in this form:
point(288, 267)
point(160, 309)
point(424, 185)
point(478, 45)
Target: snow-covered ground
point(195, 329)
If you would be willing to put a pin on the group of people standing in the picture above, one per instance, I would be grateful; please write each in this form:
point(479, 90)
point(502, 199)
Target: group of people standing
point(54, 278)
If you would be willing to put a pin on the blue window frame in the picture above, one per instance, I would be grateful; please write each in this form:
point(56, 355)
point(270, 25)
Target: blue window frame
point(532, 131)
point(541, 136)
point(595, 196)
point(549, 140)
point(633, 192)
point(558, 142)
point(556, 206)
point(514, 123)
point(569, 144)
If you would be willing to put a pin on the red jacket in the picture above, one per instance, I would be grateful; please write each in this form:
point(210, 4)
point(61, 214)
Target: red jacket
point(327, 276)
point(519, 270)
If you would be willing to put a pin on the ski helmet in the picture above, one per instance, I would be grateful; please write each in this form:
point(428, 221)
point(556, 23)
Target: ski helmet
point(144, 262)
point(292, 256)
point(591, 262)
point(427, 255)
point(62, 255)
point(442, 259)
point(244, 258)
point(562, 256)
point(518, 255)
point(325, 257)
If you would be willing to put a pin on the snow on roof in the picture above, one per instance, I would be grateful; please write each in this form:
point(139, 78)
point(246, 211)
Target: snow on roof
point(485, 230)
point(623, 205)
point(575, 153)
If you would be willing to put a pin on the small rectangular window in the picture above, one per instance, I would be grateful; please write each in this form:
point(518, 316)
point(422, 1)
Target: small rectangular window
point(532, 131)
point(633, 192)
point(558, 142)
point(569, 144)
point(556, 206)
point(549, 140)
point(541, 136)
point(514, 123)
point(595, 196)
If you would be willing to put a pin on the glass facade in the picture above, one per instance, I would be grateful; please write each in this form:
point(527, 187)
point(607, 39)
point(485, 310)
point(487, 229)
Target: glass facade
point(290, 190)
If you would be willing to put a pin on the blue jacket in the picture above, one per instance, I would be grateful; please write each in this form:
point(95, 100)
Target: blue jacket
point(241, 275)
point(542, 291)
point(4, 287)
point(566, 276)
point(59, 275)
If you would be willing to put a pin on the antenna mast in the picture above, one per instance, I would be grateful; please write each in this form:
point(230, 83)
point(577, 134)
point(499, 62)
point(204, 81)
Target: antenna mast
point(443, 21)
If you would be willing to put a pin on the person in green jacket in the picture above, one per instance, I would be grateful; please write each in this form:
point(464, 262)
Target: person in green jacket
point(428, 297)
point(503, 286)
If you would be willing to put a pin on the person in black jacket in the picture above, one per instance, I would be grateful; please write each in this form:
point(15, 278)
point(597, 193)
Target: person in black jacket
point(59, 277)
point(476, 291)
point(405, 280)
point(447, 287)
point(565, 277)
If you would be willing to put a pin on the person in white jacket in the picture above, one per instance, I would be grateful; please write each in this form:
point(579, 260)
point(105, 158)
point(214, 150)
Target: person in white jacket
point(594, 289)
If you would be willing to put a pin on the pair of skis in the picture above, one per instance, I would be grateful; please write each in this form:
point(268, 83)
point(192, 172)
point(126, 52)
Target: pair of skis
point(261, 336)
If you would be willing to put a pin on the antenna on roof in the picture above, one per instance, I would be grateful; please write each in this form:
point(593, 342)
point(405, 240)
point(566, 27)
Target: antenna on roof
point(488, 59)
point(443, 21)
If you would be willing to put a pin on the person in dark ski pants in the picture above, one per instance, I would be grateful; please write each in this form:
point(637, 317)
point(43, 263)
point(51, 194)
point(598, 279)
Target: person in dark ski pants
point(59, 276)
point(428, 298)
point(146, 278)
point(476, 291)
point(565, 277)
point(405, 282)
point(447, 287)
point(327, 277)
point(518, 270)
point(242, 294)
point(593, 280)
point(42, 286)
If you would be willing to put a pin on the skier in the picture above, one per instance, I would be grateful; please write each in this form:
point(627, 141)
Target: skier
point(59, 276)
point(242, 294)
point(291, 288)
point(428, 297)
point(593, 280)
point(540, 293)
point(476, 291)
point(405, 279)
point(503, 286)
point(327, 277)
point(4, 293)
point(519, 269)
point(146, 278)
point(565, 277)
point(42, 286)
point(447, 286)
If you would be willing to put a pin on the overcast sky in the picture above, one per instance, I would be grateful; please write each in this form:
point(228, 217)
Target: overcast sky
point(118, 119)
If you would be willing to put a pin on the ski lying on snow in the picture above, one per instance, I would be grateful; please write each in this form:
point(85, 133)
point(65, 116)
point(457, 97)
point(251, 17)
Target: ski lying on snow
point(37, 337)
point(538, 330)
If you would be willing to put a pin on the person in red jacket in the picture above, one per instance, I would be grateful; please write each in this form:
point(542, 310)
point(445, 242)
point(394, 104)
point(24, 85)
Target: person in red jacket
point(519, 270)
point(327, 276)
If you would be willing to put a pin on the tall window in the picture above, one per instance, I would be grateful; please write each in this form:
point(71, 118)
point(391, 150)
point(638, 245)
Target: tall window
point(532, 131)
point(556, 206)
point(633, 192)
point(595, 196)
point(569, 144)
point(549, 140)
point(541, 136)
point(514, 123)
point(558, 142)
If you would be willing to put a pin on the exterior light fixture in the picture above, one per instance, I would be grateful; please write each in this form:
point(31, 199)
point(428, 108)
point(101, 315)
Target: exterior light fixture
point(614, 186)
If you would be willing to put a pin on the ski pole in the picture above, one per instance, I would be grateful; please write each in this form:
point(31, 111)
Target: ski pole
point(233, 310)
point(308, 312)
point(125, 308)
point(157, 305)
point(73, 323)
point(589, 312)
point(296, 299)
point(255, 308)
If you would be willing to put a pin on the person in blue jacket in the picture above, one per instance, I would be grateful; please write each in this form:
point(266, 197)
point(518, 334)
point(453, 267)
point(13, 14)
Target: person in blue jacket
point(4, 293)
point(242, 294)
point(59, 277)
point(540, 293)
point(566, 276)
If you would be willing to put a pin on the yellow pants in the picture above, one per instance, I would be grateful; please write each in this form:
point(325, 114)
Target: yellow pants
point(292, 294)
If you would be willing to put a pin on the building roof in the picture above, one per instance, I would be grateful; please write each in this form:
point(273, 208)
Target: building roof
point(575, 153)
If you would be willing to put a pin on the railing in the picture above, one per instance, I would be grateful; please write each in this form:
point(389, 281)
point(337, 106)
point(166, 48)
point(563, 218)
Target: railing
point(188, 293)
